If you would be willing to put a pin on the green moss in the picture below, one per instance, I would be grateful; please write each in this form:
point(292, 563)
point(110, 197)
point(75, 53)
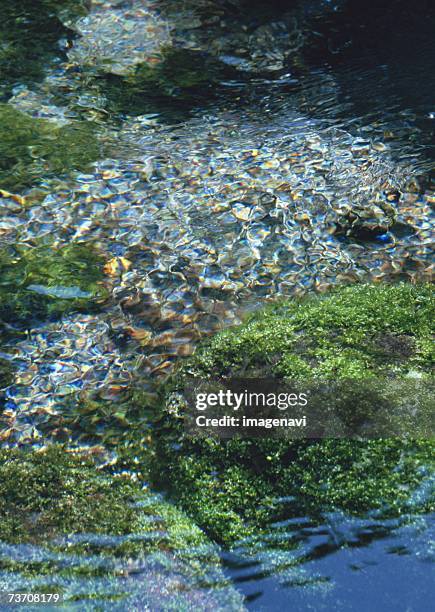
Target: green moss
point(6, 377)
point(101, 536)
point(363, 332)
point(175, 80)
point(352, 332)
point(49, 493)
point(42, 281)
point(31, 149)
point(29, 35)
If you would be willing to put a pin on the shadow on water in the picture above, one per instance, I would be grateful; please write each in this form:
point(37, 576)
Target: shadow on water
point(33, 36)
point(353, 63)
point(338, 563)
point(380, 55)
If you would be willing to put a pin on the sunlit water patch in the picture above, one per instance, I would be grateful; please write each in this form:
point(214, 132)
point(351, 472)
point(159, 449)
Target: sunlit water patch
point(209, 218)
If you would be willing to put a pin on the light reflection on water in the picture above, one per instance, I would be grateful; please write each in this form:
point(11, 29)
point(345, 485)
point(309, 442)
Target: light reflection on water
point(199, 266)
point(333, 563)
point(340, 563)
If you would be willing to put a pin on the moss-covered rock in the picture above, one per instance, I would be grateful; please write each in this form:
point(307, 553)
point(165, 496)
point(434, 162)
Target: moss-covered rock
point(359, 333)
point(34, 148)
point(29, 35)
point(36, 282)
point(49, 493)
point(87, 524)
point(354, 331)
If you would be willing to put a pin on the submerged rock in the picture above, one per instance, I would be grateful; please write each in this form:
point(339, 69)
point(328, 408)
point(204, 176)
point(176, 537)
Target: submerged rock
point(232, 487)
point(32, 149)
point(117, 36)
point(176, 75)
point(102, 540)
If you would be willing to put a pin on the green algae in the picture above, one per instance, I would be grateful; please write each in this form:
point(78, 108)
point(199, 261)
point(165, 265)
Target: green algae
point(231, 488)
point(176, 80)
point(40, 281)
point(48, 493)
point(30, 31)
point(89, 530)
point(32, 149)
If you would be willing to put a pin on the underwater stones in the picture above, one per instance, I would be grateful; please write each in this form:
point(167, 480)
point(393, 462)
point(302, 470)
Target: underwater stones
point(180, 231)
point(81, 523)
point(257, 38)
point(34, 148)
point(352, 333)
point(57, 366)
point(118, 38)
point(40, 281)
point(116, 266)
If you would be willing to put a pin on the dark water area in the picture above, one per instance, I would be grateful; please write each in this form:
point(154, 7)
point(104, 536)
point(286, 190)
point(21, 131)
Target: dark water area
point(146, 204)
point(382, 58)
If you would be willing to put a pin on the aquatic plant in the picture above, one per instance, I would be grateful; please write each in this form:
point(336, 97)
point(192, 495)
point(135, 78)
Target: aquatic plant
point(175, 75)
point(49, 493)
point(29, 35)
point(31, 149)
point(231, 487)
point(90, 530)
point(36, 282)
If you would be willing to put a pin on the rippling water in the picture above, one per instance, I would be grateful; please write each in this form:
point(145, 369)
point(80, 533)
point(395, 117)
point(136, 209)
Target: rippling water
point(346, 564)
point(205, 208)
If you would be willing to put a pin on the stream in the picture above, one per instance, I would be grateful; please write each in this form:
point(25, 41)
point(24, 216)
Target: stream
point(279, 178)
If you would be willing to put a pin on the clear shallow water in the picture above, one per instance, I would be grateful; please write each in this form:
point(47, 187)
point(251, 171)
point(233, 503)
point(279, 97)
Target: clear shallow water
point(347, 564)
point(338, 563)
point(219, 205)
